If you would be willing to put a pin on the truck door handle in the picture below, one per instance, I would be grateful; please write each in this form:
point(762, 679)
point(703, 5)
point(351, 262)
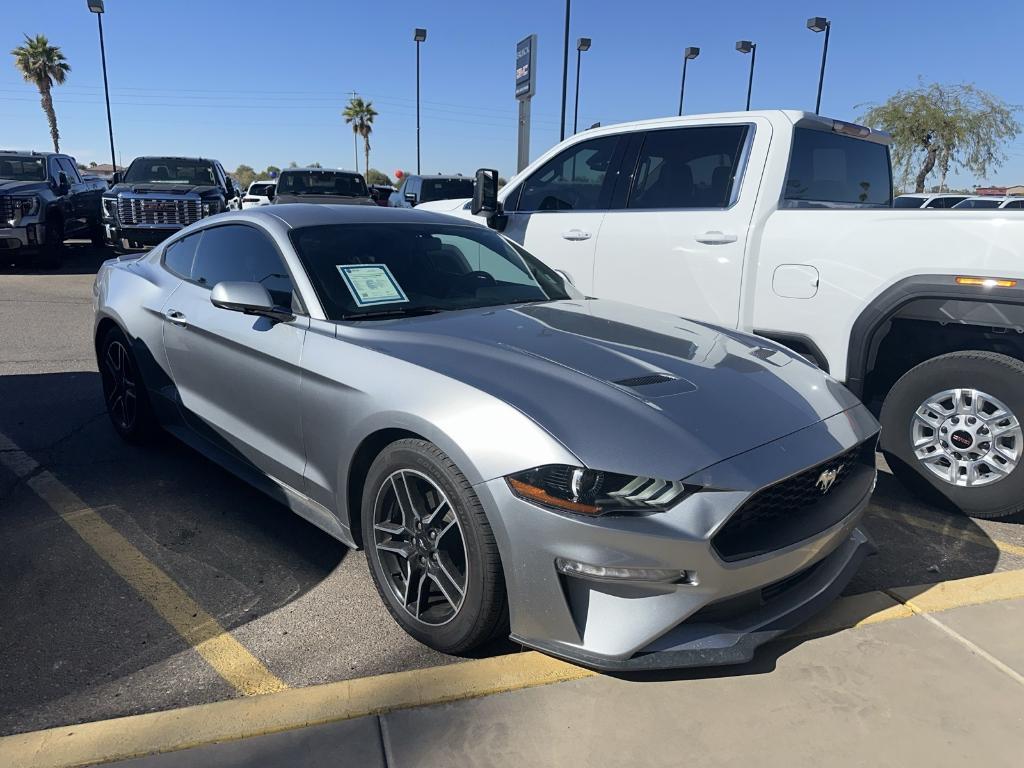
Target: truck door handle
point(176, 317)
point(576, 234)
point(715, 238)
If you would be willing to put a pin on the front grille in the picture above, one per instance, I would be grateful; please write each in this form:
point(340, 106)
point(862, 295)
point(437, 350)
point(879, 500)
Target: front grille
point(6, 211)
point(159, 211)
point(798, 507)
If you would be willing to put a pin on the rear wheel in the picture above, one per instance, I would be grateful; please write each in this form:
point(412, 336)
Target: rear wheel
point(123, 391)
point(431, 551)
point(953, 422)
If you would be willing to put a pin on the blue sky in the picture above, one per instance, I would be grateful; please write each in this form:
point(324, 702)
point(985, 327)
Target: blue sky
point(263, 81)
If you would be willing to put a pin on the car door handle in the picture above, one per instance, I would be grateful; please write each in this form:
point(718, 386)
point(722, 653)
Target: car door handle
point(576, 234)
point(176, 317)
point(715, 238)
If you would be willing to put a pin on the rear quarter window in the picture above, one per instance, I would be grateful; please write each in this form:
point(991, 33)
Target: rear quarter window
point(827, 170)
point(180, 255)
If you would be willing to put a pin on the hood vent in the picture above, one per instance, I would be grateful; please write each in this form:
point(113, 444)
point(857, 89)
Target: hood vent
point(645, 381)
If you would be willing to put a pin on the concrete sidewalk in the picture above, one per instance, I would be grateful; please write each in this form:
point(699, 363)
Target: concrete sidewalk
point(937, 689)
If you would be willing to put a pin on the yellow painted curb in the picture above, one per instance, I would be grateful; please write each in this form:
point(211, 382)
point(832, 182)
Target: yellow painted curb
point(974, 590)
point(127, 737)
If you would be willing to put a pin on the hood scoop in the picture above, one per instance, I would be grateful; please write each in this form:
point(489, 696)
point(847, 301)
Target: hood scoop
point(656, 385)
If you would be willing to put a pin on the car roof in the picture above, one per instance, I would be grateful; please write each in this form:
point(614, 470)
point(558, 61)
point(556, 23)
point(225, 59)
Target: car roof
point(997, 198)
point(32, 153)
point(320, 170)
point(440, 176)
point(309, 215)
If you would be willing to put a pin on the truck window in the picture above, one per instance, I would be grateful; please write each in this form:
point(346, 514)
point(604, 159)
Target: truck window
point(911, 202)
point(688, 167)
point(574, 180)
point(69, 170)
point(829, 170)
point(1014, 204)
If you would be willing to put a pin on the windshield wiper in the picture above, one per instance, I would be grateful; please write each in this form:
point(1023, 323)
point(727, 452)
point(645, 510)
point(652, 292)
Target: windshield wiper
point(408, 312)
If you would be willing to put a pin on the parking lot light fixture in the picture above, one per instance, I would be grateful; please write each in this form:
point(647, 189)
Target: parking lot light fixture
point(583, 44)
point(96, 6)
point(419, 34)
point(746, 46)
point(820, 24)
point(689, 53)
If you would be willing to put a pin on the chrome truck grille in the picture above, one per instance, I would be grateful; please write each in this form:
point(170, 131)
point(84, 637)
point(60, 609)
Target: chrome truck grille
point(6, 211)
point(158, 211)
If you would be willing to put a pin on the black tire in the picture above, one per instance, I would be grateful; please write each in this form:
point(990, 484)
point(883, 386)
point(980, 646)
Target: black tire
point(124, 392)
point(51, 254)
point(483, 612)
point(1001, 377)
point(97, 235)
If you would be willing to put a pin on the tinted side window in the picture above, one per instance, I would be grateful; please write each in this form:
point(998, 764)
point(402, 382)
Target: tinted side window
point(829, 168)
point(688, 167)
point(180, 254)
point(69, 169)
point(1015, 204)
point(574, 180)
point(240, 253)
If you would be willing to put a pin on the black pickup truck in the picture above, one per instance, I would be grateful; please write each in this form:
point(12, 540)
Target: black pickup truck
point(157, 196)
point(43, 201)
point(321, 185)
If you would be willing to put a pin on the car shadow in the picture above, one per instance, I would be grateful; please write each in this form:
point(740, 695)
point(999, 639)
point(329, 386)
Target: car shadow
point(80, 257)
point(71, 624)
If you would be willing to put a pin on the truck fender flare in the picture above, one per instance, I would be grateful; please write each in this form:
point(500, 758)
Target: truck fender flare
point(866, 334)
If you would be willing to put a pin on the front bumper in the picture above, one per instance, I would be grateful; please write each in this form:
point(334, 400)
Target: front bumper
point(25, 237)
point(136, 237)
point(733, 607)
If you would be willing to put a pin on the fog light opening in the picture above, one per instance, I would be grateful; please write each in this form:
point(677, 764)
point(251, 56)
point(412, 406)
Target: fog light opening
point(616, 573)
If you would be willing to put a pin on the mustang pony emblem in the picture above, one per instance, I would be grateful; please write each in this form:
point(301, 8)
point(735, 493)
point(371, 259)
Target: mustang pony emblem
point(828, 478)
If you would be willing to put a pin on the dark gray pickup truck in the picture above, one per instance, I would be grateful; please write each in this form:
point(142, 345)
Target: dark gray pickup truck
point(321, 185)
point(43, 201)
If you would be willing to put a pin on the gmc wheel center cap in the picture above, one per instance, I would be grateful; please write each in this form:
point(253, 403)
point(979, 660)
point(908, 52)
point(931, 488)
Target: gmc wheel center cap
point(961, 439)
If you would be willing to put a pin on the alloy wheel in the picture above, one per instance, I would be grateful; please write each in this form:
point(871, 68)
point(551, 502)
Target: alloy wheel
point(420, 546)
point(119, 386)
point(966, 437)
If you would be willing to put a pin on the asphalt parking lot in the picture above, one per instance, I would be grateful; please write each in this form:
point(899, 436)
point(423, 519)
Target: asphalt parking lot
point(220, 585)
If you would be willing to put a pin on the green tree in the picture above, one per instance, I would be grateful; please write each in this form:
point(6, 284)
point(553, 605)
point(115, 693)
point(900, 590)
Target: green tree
point(272, 172)
point(244, 175)
point(314, 165)
point(43, 65)
point(360, 114)
point(944, 127)
point(293, 164)
point(373, 176)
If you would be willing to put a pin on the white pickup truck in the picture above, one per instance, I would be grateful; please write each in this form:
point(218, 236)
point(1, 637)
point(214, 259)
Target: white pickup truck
point(781, 223)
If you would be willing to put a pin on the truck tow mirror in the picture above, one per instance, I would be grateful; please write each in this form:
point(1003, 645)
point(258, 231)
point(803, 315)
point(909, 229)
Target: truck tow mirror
point(116, 178)
point(63, 185)
point(485, 192)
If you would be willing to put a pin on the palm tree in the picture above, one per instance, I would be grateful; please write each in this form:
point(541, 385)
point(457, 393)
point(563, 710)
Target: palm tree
point(359, 114)
point(43, 65)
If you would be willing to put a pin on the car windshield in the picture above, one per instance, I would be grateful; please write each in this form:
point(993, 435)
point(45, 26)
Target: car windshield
point(445, 189)
point(170, 170)
point(907, 202)
point(978, 204)
point(260, 189)
point(316, 182)
point(18, 168)
point(384, 270)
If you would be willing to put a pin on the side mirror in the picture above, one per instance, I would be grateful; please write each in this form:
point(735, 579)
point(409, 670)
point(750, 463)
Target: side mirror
point(485, 192)
point(116, 178)
point(249, 299)
point(63, 185)
point(410, 198)
point(271, 193)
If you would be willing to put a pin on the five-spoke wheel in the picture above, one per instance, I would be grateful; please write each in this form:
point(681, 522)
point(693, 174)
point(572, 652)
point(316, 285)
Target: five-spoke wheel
point(127, 403)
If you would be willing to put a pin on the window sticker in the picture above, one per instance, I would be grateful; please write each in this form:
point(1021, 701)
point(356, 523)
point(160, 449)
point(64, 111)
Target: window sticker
point(371, 284)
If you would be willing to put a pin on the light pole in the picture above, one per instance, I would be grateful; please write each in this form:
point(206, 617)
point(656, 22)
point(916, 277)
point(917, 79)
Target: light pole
point(419, 35)
point(820, 24)
point(745, 46)
point(583, 44)
point(96, 6)
point(689, 53)
point(565, 70)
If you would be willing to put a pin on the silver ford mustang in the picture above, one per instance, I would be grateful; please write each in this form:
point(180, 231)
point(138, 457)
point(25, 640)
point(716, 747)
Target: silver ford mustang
point(619, 487)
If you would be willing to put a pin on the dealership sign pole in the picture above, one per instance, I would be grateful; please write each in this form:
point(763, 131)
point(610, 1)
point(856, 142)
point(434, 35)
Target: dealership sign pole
point(526, 84)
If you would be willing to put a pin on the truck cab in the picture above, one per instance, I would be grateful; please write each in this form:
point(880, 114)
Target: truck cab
point(782, 223)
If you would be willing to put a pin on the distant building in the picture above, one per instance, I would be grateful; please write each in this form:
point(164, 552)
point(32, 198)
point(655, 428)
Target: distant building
point(1000, 191)
point(1016, 190)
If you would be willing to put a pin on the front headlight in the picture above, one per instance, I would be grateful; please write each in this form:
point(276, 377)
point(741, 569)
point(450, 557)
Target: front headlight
point(211, 207)
point(109, 207)
point(592, 492)
point(25, 206)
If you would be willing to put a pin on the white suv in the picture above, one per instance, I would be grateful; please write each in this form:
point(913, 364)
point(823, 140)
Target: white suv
point(931, 200)
point(990, 202)
point(260, 192)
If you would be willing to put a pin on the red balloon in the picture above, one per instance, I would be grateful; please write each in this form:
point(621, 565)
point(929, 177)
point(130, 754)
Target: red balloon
point(399, 174)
